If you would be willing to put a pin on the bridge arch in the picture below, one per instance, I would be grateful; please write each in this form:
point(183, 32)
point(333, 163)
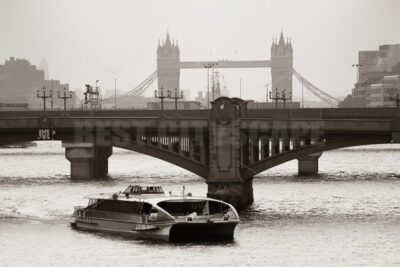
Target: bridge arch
point(256, 168)
point(18, 138)
point(168, 156)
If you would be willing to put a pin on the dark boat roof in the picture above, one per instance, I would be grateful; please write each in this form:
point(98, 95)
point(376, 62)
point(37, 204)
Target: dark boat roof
point(140, 190)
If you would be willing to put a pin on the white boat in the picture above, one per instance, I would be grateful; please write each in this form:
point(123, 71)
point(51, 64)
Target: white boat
point(146, 212)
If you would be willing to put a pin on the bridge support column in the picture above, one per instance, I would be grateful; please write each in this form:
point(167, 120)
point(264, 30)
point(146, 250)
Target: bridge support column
point(264, 147)
point(308, 165)
point(285, 144)
point(240, 194)
point(225, 180)
point(275, 146)
point(87, 160)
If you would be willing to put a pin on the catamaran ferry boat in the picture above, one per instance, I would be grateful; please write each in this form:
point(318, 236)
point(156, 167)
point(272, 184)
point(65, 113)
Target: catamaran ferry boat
point(146, 212)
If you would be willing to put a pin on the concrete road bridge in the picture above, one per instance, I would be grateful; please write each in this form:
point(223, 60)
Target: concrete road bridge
point(227, 145)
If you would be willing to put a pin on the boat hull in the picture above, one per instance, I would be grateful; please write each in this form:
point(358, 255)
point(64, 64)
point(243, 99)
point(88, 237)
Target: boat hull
point(140, 231)
point(172, 231)
point(202, 231)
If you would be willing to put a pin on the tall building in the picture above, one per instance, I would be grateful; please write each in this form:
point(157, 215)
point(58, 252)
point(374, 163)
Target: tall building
point(382, 94)
point(376, 64)
point(19, 81)
point(377, 74)
point(44, 66)
point(168, 70)
point(281, 65)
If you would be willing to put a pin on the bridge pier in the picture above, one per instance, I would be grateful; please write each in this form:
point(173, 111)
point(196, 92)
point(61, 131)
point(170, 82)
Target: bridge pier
point(239, 194)
point(308, 165)
point(87, 160)
point(226, 152)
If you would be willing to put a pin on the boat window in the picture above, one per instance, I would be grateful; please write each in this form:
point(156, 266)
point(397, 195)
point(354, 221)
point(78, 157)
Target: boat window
point(153, 190)
point(154, 210)
point(146, 208)
point(136, 189)
point(183, 208)
point(217, 207)
point(92, 203)
point(132, 207)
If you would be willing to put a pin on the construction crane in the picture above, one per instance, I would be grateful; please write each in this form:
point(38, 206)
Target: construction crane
point(142, 87)
point(328, 99)
point(93, 96)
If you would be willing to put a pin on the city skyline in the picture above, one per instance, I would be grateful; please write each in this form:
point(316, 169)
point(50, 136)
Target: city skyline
point(85, 42)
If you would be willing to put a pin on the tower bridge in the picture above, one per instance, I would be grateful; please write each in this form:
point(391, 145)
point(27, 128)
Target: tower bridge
point(227, 145)
point(169, 65)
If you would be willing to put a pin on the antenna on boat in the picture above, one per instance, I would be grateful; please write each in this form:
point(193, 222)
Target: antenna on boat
point(183, 191)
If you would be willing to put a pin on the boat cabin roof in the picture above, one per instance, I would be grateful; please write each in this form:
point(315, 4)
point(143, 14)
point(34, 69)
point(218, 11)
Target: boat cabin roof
point(150, 194)
point(140, 190)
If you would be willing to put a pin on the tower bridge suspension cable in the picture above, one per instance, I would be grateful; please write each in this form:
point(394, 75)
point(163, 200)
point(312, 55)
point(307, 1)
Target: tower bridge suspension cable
point(314, 90)
point(143, 86)
point(325, 97)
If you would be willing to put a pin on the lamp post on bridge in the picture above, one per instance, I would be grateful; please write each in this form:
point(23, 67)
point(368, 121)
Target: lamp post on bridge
point(161, 97)
point(276, 98)
point(65, 97)
point(283, 97)
point(44, 96)
point(175, 97)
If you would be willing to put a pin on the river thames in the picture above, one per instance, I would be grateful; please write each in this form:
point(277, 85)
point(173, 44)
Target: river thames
point(349, 215)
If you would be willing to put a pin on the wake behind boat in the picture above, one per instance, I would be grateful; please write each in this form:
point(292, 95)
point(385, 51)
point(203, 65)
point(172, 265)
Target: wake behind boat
point(146, 212)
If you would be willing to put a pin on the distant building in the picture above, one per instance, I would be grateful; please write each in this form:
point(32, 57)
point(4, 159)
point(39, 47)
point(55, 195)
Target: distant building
point(44, 66)
point(202, 98)
point(186, 94)
point(382, 94)
point(251, 104)
point(127, 102)
point(13, 106)
point(376, 64)
point(110, 93)
point(170, 105)
point(377, 81)
point(19, 81)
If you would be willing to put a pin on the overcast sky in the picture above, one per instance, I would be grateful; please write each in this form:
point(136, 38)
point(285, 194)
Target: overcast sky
point(88, 40)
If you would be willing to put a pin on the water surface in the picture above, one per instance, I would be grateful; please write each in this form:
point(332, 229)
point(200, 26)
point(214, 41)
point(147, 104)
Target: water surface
point(349, 215)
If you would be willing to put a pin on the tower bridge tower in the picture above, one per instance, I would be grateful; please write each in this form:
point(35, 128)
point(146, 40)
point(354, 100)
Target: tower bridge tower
point(168, 71)
point(281, 65)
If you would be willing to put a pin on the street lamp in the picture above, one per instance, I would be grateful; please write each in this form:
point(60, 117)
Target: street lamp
point(44, 97)
point(276, 98)
point(175, 97)
point(283, 97)
point(161, 97)
point(65, 97)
